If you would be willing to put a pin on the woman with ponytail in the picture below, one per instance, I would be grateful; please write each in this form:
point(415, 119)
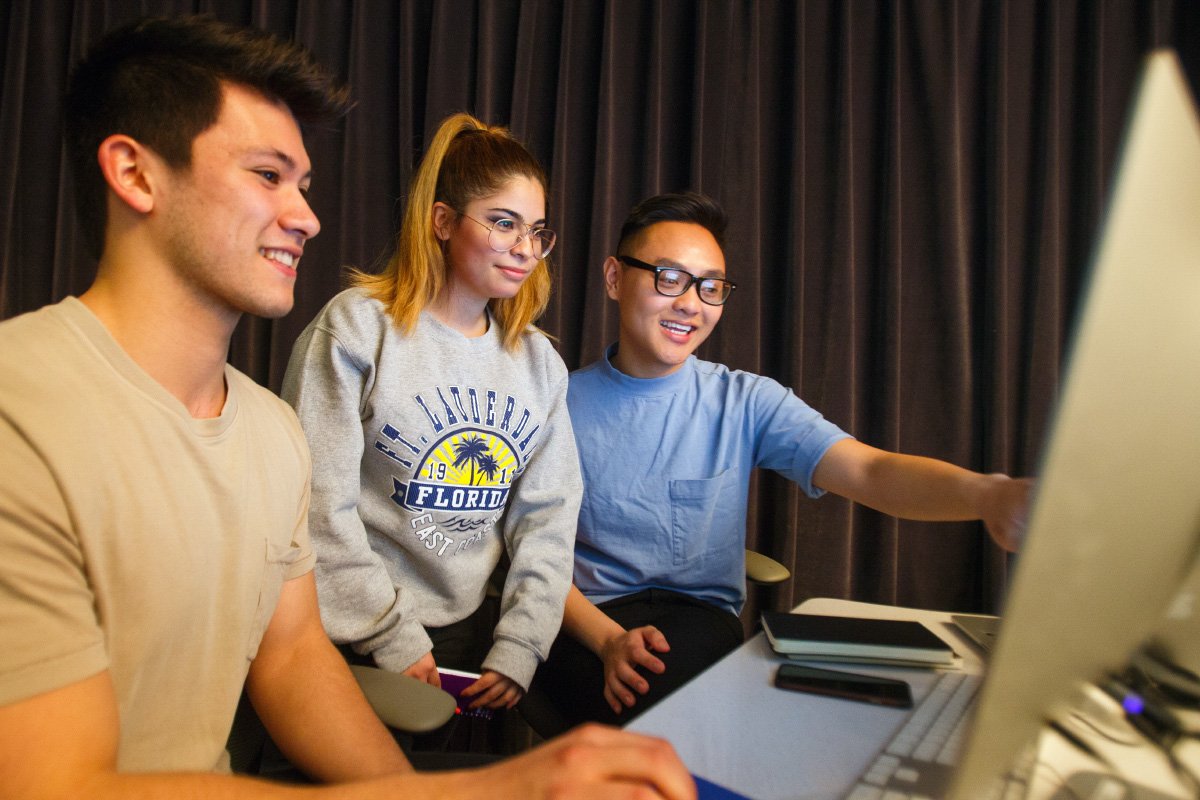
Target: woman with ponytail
point(436, 417)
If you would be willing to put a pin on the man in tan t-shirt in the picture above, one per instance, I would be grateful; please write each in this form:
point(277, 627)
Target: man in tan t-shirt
point(154, 549)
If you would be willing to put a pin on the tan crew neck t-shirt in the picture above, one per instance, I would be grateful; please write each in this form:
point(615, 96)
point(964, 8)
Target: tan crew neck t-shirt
point(137, 539)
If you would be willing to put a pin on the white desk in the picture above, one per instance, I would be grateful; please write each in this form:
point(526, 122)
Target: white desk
point(731, 726)
point(768, 743)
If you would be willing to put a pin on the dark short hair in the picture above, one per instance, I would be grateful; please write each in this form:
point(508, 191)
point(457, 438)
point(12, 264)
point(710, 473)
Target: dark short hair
point(692, 207)
point(160, 82)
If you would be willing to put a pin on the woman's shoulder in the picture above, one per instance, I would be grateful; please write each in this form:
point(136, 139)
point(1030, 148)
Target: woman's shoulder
point(541, 345)
point(353, 310)
point(537, 348)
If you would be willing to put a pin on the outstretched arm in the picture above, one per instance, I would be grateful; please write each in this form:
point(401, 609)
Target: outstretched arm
point(913, 487)
point(620, 650)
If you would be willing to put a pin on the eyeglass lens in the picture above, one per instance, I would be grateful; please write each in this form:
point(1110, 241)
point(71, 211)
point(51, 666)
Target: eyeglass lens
point(502, 239)
point(674, 282)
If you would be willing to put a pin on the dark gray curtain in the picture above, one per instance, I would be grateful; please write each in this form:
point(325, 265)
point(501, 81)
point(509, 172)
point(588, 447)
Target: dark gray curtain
point(913, 189)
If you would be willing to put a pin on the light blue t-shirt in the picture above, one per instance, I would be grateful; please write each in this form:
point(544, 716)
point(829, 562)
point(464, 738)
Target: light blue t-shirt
point(666, 474)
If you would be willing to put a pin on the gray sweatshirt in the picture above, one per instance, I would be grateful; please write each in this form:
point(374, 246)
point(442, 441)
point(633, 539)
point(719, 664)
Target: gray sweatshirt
point(433, 454)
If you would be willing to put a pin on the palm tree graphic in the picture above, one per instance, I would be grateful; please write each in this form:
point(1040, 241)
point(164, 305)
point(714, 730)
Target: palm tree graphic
point(488, 466)
point(471, 450)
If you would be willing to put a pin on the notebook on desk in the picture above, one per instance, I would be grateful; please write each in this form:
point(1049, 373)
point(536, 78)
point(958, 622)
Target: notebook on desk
point(818, 637)
point(1112, 539)
point(979, 628)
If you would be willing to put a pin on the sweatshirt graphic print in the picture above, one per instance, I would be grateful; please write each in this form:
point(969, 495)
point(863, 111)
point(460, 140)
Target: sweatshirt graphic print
point(474, 445)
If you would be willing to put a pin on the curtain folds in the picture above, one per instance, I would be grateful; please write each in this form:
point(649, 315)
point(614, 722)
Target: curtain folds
point(913, 189)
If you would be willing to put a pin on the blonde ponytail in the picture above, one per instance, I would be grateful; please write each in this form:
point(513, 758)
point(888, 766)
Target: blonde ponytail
point(467, 159)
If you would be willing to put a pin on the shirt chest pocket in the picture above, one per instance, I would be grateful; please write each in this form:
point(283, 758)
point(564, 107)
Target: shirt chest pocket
point(705, 516)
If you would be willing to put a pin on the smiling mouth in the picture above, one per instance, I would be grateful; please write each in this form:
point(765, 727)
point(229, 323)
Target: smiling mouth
point(281, 257)
point(677, 327)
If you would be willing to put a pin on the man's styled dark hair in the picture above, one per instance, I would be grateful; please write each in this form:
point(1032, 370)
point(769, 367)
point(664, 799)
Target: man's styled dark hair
point(159, 82)
point(691, 207)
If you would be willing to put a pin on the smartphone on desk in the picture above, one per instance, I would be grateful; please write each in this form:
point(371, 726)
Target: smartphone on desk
point(846, 685)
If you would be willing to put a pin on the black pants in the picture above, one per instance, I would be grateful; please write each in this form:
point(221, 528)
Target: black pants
point(572, 678)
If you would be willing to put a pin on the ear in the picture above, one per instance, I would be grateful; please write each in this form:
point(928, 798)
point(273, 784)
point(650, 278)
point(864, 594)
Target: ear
point(612, 277)
point(444, 218)
point(125, 164)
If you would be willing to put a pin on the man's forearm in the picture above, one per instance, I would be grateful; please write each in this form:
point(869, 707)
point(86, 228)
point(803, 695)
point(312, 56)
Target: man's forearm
point(318, 717)
point(913, 487)
point(302, 689)
point(197, 786)
point(587, 623)
point(910, 487)
point(46, 755)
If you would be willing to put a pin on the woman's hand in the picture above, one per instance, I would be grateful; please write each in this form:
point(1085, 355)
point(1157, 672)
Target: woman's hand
point(494, 690)
point(425, 670)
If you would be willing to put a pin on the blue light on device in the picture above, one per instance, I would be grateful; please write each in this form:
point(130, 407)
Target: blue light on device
point(1133, 704)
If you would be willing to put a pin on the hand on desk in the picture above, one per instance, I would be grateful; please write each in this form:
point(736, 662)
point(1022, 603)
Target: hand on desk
point(622, 654)
point(591, 761)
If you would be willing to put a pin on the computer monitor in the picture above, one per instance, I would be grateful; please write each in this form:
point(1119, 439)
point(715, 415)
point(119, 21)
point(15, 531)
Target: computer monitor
point(1113, 531)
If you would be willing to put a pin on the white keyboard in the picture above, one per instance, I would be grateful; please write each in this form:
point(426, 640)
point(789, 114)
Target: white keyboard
point(919, 760)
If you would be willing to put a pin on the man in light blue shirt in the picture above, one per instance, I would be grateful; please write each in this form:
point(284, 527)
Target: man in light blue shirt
point(667, 444)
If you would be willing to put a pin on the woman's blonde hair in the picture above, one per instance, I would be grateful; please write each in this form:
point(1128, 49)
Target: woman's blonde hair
point(466, 160)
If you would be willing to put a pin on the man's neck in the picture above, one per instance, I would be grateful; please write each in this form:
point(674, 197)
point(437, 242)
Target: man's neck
point(627, 366)
point(183, 349)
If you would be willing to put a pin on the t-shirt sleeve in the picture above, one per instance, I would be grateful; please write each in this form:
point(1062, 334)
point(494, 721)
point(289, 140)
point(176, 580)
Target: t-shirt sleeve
point(791, 436)
point(303, 559)
point(52, 636)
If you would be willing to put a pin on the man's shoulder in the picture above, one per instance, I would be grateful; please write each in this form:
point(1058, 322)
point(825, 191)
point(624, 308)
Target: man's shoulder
point(712, 375)
point(712, 370)
point(705, 376)
point(588, 381)
point(587, 371)
point(29, 330)
point(40, 352)
point(260, 401)
point(269, 425)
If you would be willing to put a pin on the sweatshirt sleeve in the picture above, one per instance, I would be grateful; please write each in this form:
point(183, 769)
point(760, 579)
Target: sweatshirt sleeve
point(327, 381)
point(539, 534)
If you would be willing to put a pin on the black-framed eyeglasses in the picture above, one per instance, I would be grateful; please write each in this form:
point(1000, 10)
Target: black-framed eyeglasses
point(673, 281)
point(505, 234)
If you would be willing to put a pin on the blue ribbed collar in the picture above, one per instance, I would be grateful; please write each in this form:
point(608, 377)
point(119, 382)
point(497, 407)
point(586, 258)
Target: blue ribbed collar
point(646, 387)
